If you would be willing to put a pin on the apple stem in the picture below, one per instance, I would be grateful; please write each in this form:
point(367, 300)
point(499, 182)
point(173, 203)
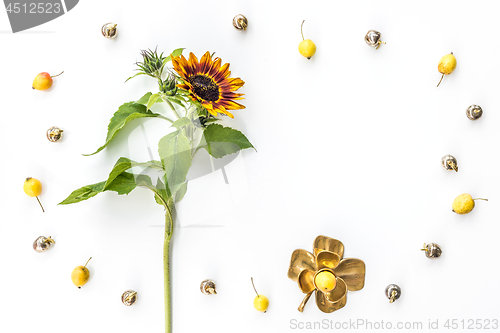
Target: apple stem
point(129, 297)
point(379, 43)
point(254, 288)
point(453, 165)
point(58, 74)
point(87, 262)
point(301, 29)
point(480, 199)
point(43, 210)
point(393, 296)
point(440, 80)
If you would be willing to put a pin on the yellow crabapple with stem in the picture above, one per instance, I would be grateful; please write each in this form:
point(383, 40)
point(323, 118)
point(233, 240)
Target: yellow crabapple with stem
point(260, 302)
point(43, 81)
point(80, 275)
point(307, 48)
point(447, 65)
point(464, 204)
point(33, 188)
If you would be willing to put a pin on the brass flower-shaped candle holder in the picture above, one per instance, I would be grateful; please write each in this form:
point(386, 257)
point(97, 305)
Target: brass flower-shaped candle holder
point(327, 273)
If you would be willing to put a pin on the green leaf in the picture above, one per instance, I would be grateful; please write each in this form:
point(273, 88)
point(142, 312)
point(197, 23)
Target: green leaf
point(152, 100)
point(122, 184)
point(141, 73)
point(159, 191)
point(176, 101)
point(161, 195)
point(211, 120)
point(83, 193)
point(179, 97)
point(175, 53)
point(126, 113)
point(220, 141)
point(181, 192)
point(181, 122)
point(123, 164)
point(175, 154)
point(144, 99)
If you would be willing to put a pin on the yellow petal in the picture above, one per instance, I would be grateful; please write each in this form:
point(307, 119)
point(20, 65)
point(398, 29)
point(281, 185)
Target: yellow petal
point(210, 108)
point(205, 62)
point(305, 281)
point(352, 271)
point(327, 306)
point(232, 95)
point(215, 67)
point(327, 259)
point(175, 61)
point(181, 66)
point(222, 110)
point(222, 73)
point(227, 113)
point(322, 243)
point(340, 291)
point(230, 105)
point(236, 82)
point(193, 63)
point(301, 260)
point(183, 86)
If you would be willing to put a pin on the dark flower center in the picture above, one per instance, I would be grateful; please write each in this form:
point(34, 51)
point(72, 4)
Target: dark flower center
point(205, 87)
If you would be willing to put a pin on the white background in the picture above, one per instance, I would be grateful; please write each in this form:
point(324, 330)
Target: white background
point(348, 145)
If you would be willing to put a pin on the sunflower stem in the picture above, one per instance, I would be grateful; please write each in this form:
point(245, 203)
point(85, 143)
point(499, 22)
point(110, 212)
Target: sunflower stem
point(166, 279)
point(169, 120)
point(172, 107)
point(169, 228)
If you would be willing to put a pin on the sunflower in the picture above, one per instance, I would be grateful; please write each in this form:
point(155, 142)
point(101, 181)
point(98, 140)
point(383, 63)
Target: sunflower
point(209, 83)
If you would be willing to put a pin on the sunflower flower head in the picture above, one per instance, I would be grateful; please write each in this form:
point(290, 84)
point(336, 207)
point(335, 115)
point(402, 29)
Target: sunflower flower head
point(209, 83)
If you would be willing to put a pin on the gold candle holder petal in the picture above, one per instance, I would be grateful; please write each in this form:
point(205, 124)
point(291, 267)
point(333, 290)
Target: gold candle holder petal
point(349, 273)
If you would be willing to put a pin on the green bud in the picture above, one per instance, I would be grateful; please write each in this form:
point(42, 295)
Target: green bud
point(168, 86)
point(152, 63)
